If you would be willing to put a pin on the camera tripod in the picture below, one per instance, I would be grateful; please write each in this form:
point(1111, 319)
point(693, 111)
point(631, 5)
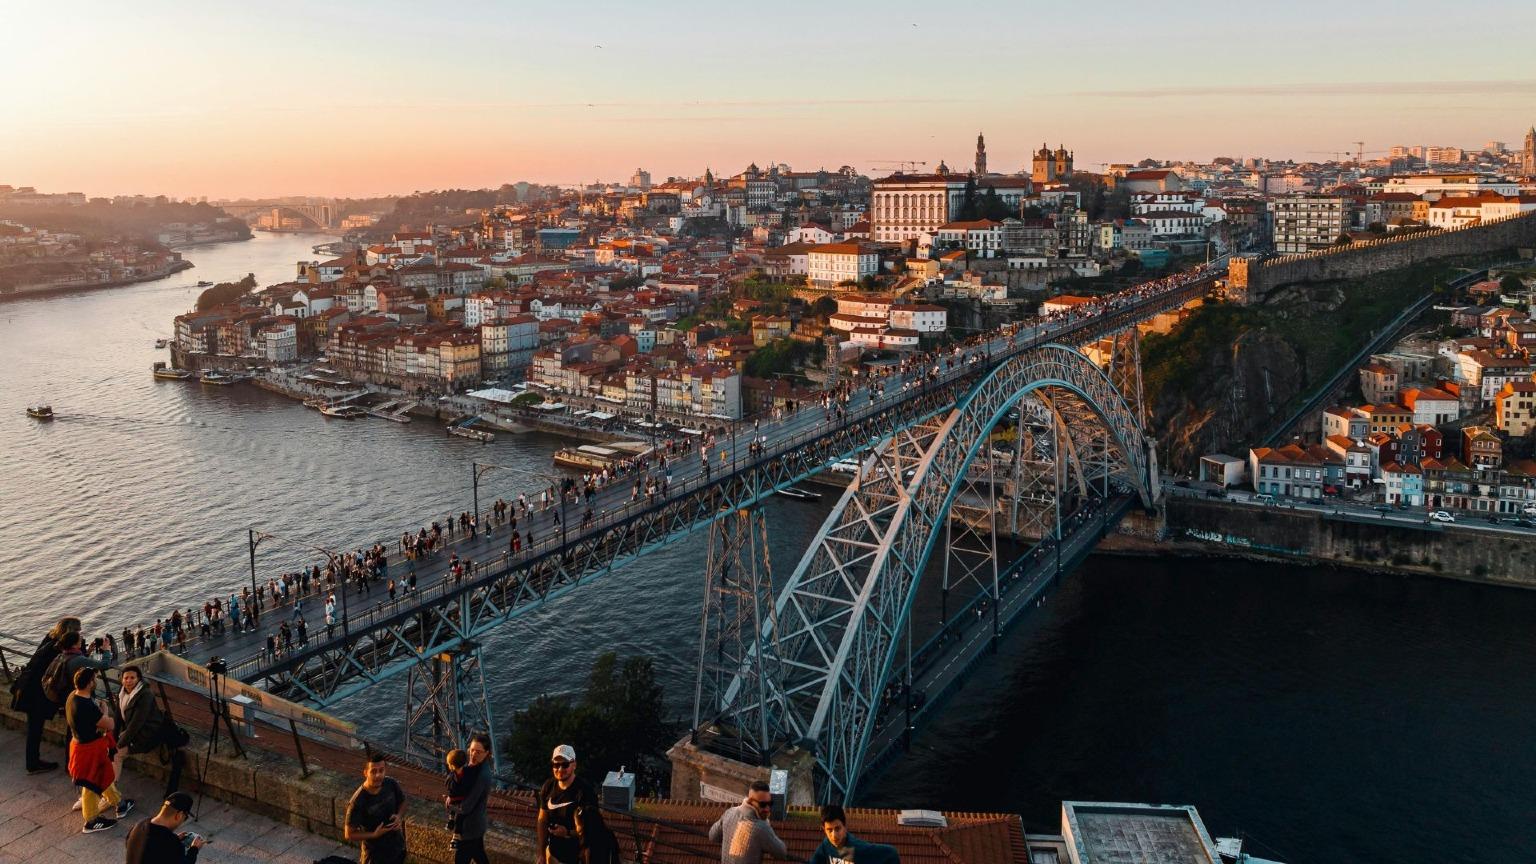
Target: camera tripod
point(218, 710)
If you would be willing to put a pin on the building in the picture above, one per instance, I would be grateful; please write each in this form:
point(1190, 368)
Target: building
point(1111, 833)
point(981, 155)
point(830, 264)
point(1528, 158)
point(1158, 180)
point(1480, 448)
point(1514, 408)
point(1051, 167)
point(1292, 471)
point(1431, 405)
point(1302, 223)
point(1378, 382)
point(904, 206)
point(1346, 423)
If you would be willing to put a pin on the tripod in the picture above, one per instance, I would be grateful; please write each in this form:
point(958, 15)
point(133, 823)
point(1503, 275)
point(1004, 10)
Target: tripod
point(218, 709)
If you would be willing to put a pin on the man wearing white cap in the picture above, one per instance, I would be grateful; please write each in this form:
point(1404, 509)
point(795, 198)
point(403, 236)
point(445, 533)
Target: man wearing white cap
point(569, 818)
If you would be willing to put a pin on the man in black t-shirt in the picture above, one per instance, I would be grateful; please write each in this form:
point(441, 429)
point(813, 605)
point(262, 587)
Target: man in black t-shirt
point(159, 840)
point(376, 815)
point(569, 818)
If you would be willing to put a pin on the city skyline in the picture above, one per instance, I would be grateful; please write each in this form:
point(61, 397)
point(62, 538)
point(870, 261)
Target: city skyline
point(286, 99)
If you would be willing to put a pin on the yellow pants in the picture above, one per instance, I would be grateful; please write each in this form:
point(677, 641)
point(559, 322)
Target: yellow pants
point(90, 802)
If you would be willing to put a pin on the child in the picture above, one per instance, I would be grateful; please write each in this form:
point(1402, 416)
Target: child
point(457, 788)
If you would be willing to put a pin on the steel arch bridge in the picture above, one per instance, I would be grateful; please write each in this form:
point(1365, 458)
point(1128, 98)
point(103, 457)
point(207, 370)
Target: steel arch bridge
point(835, 636)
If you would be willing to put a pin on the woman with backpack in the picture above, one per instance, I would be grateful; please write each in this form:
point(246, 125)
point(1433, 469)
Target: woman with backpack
point(145, 728)
point(27, 693)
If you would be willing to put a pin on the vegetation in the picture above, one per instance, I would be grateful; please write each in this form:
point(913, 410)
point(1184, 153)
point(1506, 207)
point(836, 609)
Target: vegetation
point(100, 218)
point(524, 400)
point(1511, 284)
point(779, 357)
point(226, 292)
point(617, 722)
point(1175, 361)
point(983, 204)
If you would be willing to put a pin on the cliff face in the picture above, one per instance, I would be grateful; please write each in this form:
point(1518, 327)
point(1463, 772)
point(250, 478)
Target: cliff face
point(1242, 386)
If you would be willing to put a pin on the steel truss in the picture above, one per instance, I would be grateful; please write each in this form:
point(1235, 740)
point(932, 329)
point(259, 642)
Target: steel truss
point(385, 642)
point(445, 701)
point(844, 610)
point(732, 685)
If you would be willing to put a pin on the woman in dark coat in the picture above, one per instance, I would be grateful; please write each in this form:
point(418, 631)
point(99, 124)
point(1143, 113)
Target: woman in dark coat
point(33, 701)
point(144, 726)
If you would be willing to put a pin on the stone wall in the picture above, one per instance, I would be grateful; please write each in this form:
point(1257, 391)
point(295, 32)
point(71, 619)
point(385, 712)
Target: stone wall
point(1198, 526)
point(1252, 281)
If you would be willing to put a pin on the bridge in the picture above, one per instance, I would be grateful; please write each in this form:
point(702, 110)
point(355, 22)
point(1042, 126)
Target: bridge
point(316, 215)
point(999, 462)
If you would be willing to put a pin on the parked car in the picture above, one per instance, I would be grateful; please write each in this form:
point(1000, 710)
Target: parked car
point(1441, 516)
point(1525, 523)
point(1383, 508)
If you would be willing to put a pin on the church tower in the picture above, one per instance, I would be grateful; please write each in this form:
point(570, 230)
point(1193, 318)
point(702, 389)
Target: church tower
point(981, 155)
point(1044, 167)
point(1528, 164)
point(1063, 160)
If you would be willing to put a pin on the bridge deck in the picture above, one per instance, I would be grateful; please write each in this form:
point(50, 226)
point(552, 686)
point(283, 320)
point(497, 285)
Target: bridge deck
point(785, 440)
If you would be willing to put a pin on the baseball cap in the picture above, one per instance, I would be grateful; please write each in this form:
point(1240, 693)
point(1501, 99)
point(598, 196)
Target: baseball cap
point(179, 801)
point(564, 751)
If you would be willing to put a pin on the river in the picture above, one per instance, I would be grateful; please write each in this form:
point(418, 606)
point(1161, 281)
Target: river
point(1332, 715)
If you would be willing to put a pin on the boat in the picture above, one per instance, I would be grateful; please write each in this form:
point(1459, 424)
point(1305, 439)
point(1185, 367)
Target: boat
point(161, 343)
point(343, 412)
point(214, 376)
point(40, 412)
point(798, 493)
point(170, 373)
point(204, 284)
point(596, 457)
point(473, 434)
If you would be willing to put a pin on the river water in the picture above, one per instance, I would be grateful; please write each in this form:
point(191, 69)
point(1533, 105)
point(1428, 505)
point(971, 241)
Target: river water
point(1333, 716)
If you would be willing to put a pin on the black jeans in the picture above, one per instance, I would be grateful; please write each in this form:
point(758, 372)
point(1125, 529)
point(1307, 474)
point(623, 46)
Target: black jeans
point(36, 717)
point(178, 762)
point(471, 849)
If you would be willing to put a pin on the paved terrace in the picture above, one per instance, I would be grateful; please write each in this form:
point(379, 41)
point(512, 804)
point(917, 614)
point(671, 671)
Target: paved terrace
point(561, 525)
point(279, 806)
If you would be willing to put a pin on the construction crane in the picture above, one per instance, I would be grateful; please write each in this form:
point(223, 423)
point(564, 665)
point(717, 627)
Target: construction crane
point(902, 166)
point(1338, 155)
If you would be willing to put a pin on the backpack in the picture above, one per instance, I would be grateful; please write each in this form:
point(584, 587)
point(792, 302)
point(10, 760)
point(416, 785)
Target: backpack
point(56, 680)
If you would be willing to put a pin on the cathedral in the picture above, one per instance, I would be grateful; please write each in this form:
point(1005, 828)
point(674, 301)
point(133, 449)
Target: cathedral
point(1051, 167)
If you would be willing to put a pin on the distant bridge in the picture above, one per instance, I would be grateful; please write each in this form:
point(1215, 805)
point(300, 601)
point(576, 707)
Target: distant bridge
point(321, 215)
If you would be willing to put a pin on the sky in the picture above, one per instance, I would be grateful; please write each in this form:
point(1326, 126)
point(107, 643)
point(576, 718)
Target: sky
point(341, 98)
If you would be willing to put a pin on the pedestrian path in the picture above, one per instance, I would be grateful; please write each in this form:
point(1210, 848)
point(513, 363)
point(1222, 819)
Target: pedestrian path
point(36, 823)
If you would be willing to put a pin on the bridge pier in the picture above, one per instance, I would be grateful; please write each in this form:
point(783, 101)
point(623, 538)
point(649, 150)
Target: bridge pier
point(445, 701)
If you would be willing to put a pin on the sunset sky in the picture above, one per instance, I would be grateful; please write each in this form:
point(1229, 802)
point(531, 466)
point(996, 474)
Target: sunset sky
point(340, 98)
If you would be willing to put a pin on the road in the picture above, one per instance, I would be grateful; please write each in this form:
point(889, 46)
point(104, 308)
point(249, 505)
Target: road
point(1413, 518)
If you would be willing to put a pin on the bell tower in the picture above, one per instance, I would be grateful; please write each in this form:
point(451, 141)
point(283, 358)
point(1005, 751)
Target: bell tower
point(981, 154)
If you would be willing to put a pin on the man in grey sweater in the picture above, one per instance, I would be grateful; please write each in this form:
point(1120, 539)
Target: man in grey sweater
point(744, 833)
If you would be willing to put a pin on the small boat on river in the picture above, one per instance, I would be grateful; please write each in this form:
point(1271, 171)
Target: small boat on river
point(343, 412)
point(222, 379)
point(40, 412)
point(170, 373)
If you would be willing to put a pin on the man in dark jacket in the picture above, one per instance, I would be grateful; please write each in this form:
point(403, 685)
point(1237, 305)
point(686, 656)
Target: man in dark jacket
point(471, 848)
point(160, 840)
point(841, 847)
point(143, 726)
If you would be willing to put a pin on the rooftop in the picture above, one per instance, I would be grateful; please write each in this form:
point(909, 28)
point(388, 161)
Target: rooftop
point(1135, 834)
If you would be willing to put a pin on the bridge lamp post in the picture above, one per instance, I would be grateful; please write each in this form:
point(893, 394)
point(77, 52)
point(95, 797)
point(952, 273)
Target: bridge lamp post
point(477, 469)
point(256, 537)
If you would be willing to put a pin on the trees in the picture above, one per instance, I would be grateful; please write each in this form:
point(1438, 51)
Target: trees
point(824, 306)
point(617, 722)
point(1511, 284)
point(226, 292)
point(778, 357)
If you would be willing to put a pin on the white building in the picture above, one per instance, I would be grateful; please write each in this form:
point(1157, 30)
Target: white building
point(903, 206)
point(831, 263)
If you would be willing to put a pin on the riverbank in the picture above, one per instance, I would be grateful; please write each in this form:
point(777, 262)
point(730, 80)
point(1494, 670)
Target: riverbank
point(17, 292)
point(1199, 528)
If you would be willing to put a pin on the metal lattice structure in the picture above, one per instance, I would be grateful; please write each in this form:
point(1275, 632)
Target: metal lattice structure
point(444, 702)
point(732, 686)
point(843, 613)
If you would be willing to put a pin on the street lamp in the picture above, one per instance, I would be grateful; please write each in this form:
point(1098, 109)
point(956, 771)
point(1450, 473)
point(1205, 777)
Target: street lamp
point(476, 470)
point(256, 537)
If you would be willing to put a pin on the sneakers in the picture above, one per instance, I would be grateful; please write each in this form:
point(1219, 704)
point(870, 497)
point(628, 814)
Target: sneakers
point(43, 767)
point(100, 823)
point(124, 807)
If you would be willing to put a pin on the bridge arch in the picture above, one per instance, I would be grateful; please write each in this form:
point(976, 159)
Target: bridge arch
point(842, 613)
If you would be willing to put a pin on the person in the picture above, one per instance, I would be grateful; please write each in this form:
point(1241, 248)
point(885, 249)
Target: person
point(91, 748)
point(376, 815)
point(453, 801)
point(560, 800)
point(29, 696)
point(159, 840)
point(473, 789)
point(841, 847)
point(743, 831)
point(144, 727)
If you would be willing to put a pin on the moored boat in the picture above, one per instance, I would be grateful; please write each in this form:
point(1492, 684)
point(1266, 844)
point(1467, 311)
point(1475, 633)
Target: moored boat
point(40, 412)
point(222, 379)
point(343, 412)
point(595, 457)
point(170, 373)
